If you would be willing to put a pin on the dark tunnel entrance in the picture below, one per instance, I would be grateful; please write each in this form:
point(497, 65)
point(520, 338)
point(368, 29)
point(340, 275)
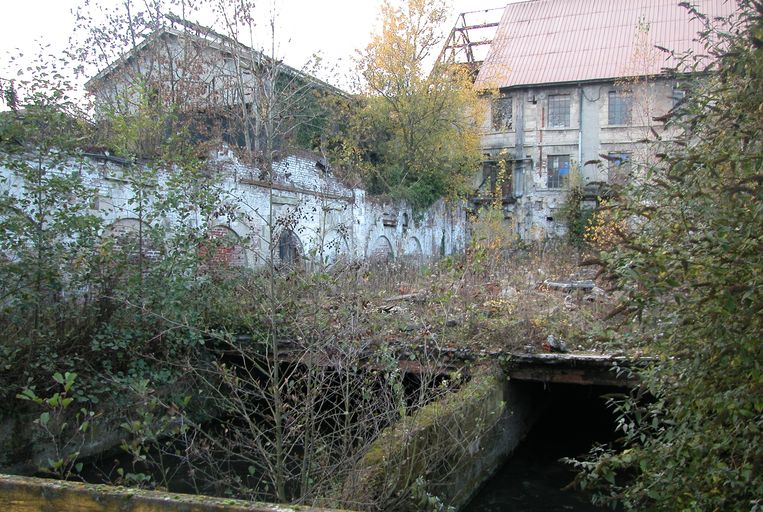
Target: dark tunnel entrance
point(533, 479)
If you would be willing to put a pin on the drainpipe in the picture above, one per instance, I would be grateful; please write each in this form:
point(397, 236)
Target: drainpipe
point(580, 129)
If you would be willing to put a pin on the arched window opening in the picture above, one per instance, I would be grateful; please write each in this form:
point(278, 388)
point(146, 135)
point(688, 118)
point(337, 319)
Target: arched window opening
point(228, 250)
point(289, 249)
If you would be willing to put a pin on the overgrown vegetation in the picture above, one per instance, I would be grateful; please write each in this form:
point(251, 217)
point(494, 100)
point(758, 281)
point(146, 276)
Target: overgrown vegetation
point(413, 134)
point(301, 370)
point(688, 260)
point(137, 328)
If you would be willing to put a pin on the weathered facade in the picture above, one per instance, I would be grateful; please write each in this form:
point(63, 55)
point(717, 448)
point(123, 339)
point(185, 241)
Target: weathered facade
point(228, 87)
point(315, 219)
point(575, 90)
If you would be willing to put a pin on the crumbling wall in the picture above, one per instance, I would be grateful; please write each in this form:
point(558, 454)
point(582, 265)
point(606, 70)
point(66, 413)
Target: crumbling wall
point(327, 219)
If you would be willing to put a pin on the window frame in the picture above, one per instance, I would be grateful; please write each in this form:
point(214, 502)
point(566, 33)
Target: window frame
point(619, 108)
point(559, 110)
point(555, 180)
point(499, 120)
point(620, 164)
point(490, 170)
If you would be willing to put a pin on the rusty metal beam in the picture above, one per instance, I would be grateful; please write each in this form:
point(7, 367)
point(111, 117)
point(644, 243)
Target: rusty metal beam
point(476, 43)
point(471, 27)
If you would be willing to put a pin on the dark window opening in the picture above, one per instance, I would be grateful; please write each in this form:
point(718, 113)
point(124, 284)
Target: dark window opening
point(497, 178)
point(289, 248)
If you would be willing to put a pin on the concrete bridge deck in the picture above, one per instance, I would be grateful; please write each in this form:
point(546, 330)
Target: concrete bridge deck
point(571, 368)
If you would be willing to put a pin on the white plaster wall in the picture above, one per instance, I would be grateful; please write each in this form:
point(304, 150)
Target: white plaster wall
point(330, 219)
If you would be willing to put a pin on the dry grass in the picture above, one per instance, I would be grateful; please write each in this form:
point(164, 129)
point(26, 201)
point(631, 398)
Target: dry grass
point(484, 301)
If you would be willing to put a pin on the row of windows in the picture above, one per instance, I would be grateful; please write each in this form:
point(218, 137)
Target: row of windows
point(558, 168)
point(559, 107)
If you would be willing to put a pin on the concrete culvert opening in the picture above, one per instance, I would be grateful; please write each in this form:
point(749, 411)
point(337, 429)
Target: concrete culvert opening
point(573, 418)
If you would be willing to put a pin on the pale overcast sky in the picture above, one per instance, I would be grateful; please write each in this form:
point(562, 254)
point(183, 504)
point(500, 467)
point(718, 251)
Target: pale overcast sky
point(335, 28)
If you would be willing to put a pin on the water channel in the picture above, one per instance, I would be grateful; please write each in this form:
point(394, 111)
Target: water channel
point(534, 479)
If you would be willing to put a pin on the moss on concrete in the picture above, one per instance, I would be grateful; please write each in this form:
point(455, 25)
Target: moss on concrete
point(27, 494)
point(448, 443)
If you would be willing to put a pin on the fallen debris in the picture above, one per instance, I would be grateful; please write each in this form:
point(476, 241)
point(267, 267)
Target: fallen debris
point(570, 285)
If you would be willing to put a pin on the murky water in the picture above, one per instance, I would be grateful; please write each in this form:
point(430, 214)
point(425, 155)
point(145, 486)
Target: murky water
point(531, 484)
point(533, 479)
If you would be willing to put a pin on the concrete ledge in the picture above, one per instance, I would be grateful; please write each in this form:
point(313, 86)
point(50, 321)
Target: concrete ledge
point(27, 494)
point(572, 368)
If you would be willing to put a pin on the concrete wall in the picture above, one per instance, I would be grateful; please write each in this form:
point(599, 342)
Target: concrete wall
point(530, 141)
point(328, 219)
point(26, 494)
point(455, 444)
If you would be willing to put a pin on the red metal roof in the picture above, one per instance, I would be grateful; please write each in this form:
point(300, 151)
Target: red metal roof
point(552, 41)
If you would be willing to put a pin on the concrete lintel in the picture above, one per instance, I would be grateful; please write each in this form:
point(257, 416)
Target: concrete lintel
point(588, 369)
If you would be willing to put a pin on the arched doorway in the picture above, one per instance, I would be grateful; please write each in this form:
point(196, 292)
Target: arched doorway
point(289, 249)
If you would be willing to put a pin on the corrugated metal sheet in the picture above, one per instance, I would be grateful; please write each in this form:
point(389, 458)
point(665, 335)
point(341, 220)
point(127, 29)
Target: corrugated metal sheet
point(550, 41)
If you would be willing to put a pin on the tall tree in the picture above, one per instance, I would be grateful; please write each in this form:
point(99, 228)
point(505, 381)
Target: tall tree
point(691, 266)
point(415, 134)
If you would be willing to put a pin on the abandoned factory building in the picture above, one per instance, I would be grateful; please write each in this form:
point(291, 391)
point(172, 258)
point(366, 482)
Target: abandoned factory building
point(575, 88)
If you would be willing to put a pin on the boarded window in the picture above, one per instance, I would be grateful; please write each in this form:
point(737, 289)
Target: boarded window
point(502, 113)
point(134, 239)
point(619, 167)
point(619, 108)
point(559, 111)
point(558, 170)
point(228, 248)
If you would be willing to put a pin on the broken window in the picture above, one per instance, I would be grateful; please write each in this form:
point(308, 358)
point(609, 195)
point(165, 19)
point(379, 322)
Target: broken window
point(619, 108)
point(677, 96)
point(497, 178)
point(558, 170)
point(559, 111)
point(501, 110)
point(619, 167)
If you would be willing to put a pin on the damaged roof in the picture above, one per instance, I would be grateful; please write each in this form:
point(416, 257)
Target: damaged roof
point(562, 41)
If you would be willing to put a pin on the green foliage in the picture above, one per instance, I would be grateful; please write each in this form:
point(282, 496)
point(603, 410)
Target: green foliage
point(692, 270)
point(413, 135)
point(65, 432)
point(576, 216)
point(77, 294)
